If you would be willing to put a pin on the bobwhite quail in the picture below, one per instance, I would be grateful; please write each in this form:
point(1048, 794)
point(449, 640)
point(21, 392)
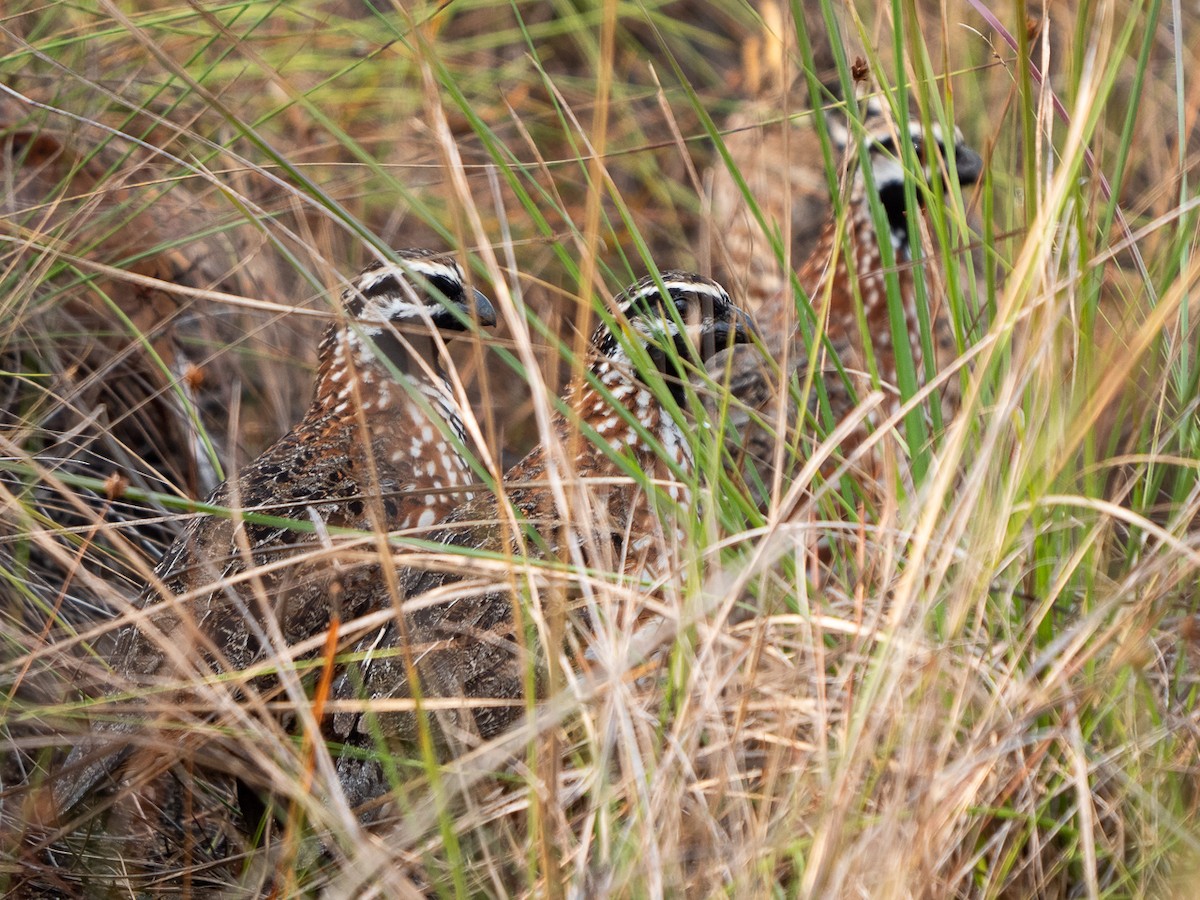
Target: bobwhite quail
point(465, 644)
point(844, 276)
point(379, 368)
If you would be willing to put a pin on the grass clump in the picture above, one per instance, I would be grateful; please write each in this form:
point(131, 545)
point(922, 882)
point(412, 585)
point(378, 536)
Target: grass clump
point(977, 680)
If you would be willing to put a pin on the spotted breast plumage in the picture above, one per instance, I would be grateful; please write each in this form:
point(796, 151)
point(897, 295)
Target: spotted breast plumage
point(467, 647)
point(844, 277)
point(380, 448)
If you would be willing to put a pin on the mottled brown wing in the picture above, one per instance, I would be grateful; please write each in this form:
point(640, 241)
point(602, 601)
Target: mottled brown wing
point(461, 646)
point(224, 623)
point(464, 647)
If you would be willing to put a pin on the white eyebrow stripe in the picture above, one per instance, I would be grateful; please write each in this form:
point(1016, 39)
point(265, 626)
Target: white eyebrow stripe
point(421, 268)
point(706, 287)
point(434, 269)
point(709, 288)
point(917, 133)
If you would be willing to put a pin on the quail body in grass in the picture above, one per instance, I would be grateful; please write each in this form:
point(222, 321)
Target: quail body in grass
point(379, 449)
point(844, 274)
point(462, 641)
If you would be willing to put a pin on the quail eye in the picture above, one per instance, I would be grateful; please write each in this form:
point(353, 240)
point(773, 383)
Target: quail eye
point(446, 287)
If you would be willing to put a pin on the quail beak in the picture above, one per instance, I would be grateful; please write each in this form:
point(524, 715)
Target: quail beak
point(714, 335)
point(482, 309)
point(969, 165)
point(744, 329)
point(739, 329)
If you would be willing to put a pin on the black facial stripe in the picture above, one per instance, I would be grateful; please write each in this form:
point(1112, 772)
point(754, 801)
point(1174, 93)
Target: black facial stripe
point(387, 275)
point(891, 197)
point(434, 271)
point(380, 284)
point(645, 298)
point(427, 284)
point(887, 146)
point(674, 287)
point(645, 301)
point(449, 288)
